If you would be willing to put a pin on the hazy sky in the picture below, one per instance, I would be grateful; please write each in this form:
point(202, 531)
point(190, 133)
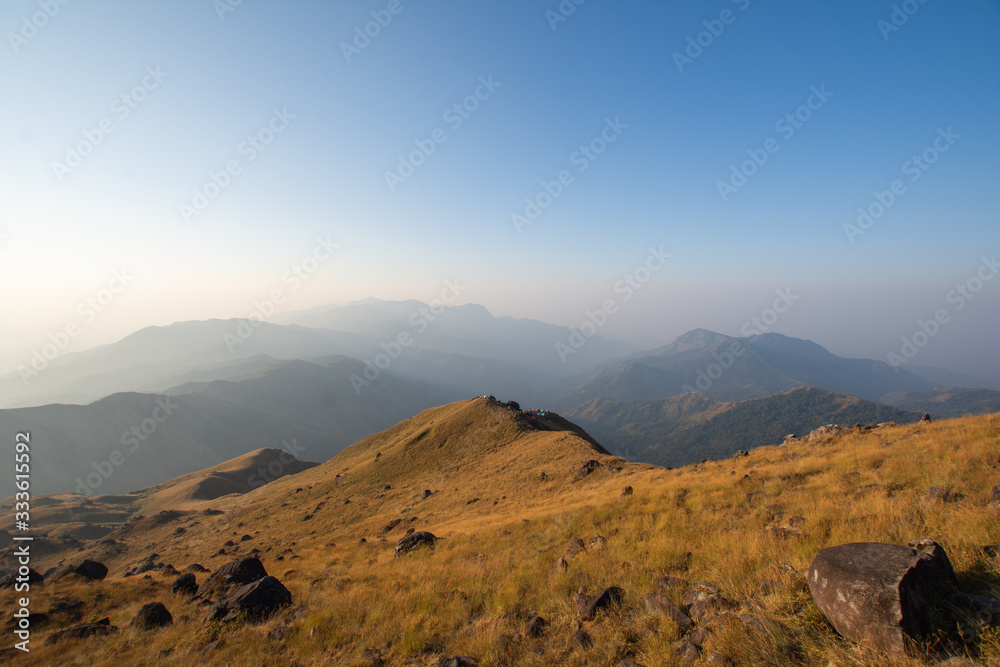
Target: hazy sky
point(117, 114)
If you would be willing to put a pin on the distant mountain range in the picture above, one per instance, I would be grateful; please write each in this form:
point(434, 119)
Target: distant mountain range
point(687, 428)
point(330, 376)
point(128, 441)
point(734, 369)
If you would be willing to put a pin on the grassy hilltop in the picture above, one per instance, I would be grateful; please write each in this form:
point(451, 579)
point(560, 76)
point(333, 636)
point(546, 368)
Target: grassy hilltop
point(748, 525)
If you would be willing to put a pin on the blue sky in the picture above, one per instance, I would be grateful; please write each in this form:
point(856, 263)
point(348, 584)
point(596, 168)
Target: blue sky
point(221, 78)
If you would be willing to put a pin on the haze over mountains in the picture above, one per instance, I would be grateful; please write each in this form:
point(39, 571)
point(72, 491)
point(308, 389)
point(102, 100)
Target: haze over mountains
point(328, 377)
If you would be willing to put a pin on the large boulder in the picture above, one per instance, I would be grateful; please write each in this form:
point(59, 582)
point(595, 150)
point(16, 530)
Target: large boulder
point(235, 573)
point(878, 594)
point(152, 615)
point(88, 569)
point(253, 602)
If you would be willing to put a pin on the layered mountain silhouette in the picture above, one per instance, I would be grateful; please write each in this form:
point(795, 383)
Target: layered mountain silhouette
point(128, 440)
point(687, 428)
point(330, 376)
point(458, 347)
point(731, 369)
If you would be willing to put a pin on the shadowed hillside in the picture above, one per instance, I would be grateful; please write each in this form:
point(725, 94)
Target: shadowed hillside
point(688, 428)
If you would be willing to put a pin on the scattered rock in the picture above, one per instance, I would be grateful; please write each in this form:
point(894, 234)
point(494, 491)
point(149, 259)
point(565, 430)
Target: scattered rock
point(995, 497)
point(152, 615)
point(660, 605)
point(88, 569)
point(583, 640)
point(254, 602)
point(235, 573)
point(937, 493)
point(697, 593)
point(718, 660)
point(586, 469)
point(100, 629)
point(457, 661)
point(670, 583)
point(627, 491)
point(687, 651)
point(373, 657)
point(186, 584)
point(590, 605)
point(707, 608)
point(576, 545)
point(413, 541)
point(427, 494)
point(535, 627)
point(926, 418)
point(561, 565)
point(980, 607)
point(31, 578)
point(824, 431)
point(877, 593)
point(596, 543)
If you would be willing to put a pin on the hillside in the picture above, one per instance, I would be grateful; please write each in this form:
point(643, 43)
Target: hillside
point(688, 428)
point(313, 405)
point(62, 523)
point(749, 526)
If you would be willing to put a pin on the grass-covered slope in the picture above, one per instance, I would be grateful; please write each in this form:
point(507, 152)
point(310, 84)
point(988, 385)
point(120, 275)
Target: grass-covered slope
point(751, 526)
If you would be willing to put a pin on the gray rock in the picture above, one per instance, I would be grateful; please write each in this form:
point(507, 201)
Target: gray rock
point(698, 592)
point(593, 604)
point(660, 605)
point(878, 594)
point(980, 607)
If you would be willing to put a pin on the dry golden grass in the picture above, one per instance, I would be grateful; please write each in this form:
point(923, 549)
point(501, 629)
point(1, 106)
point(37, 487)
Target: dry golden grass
point(493, 566)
